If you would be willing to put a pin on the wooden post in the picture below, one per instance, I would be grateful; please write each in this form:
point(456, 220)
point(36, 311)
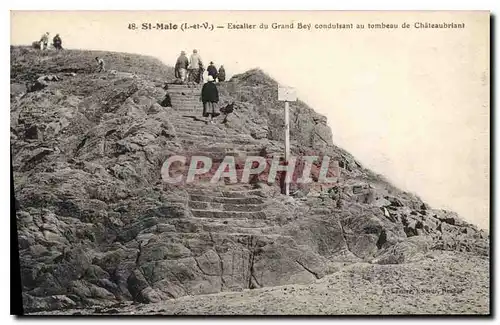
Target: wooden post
point(287, 94)
point(287, 144)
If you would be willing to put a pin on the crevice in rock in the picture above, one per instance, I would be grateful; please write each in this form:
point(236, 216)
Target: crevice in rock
point(221, 264)
point(342, 232)
point(148, 159)
point(382, 239)
point(199, 267)
point(138, 255)
point(211, 238)
point(319, 136)
point(251, 261)
point(256, 284)
point(308, 270)
point(80, 146)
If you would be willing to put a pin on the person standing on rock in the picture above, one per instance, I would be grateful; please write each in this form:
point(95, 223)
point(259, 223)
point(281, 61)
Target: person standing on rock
point(100, 64)
point(44, 41)
point(212, 70)
point(221, 75)
point(181, 67)
point(57, 41)
point(195, 67)
point(210, 98)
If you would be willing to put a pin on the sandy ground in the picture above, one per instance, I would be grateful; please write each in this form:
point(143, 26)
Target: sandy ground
point(442, 283)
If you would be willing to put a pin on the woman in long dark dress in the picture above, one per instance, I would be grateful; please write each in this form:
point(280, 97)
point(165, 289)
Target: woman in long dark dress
point(210, 98)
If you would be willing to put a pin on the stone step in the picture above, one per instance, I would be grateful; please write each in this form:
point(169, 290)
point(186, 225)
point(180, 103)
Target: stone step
point(215, 214)
point(225, 193)
point(184, 89)
point(188, 119)
point(201, 124)
point(184, 104)
point(181, 99)
point(185, 95)
point(243, 194)
point(196, 122)
point(221, 228)
point(201, 127)
point(236, 234)
point(181, 96)
point(187, 107)
point(231, 150)
point(226, 200)
point(180, 87)
point(214, 137)
point(200, 205)
point(193, 115)
point(255, 147)
point(232, 224)
point(192, 112)
point(243, 148)
point(187, 133)
point(189, 110)
point(184, 92)
point(218, 157)
point(245, 234)
point(185, 99)
point(190, 139)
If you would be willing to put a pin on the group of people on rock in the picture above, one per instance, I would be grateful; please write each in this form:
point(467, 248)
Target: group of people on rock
point(192, 69)
point(56, 42)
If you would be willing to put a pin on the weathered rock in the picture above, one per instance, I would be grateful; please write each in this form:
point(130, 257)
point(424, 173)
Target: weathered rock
point(97, 224)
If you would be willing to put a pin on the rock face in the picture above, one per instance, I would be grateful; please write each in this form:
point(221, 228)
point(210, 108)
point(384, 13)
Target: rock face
point(97, 225)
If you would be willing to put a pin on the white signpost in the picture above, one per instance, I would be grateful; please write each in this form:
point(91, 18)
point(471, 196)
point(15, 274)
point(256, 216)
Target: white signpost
point(287, 94)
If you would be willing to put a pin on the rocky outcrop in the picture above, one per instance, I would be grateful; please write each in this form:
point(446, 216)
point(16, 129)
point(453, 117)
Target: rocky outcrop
point(97, 225)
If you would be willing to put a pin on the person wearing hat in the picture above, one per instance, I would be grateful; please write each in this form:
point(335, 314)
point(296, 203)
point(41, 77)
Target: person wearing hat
point(222, 74)
point(181, 67)
point(57, 41)
point(210, 98)
point(212, 70)
point(195, 67)
point(44, 41)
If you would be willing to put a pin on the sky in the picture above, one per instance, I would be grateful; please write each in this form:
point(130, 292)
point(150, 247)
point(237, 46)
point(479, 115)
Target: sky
point(411, 104)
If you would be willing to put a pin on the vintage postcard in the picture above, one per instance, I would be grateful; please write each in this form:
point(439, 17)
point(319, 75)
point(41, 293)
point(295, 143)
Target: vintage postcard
point(251, 162)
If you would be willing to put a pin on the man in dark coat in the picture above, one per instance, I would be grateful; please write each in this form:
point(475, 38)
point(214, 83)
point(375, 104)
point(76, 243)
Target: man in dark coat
point(57, 42)
point(222, 73)
point(210, 98)
point(212, 70)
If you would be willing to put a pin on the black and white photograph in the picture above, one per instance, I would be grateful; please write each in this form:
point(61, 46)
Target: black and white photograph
point(251, 163)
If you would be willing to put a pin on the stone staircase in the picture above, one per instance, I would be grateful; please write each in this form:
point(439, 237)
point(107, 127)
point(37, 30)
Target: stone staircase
point(223, 236)
point(240, 211)
point(212, 140)
point(235, 209)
